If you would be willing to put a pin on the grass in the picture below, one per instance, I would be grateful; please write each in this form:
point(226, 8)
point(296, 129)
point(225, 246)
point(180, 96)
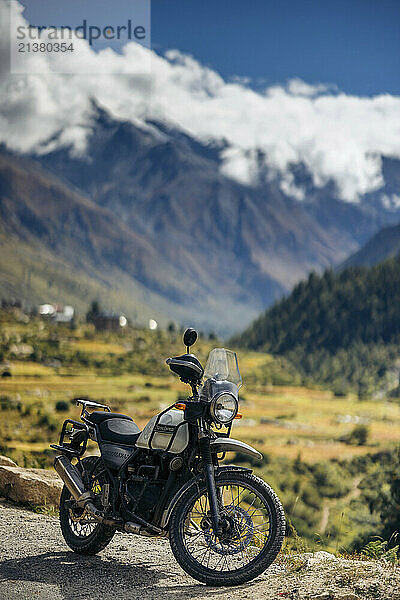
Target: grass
point(310, 422)
point(49, 511)
point(99, 347)
point(278, 420)
point(30, 369)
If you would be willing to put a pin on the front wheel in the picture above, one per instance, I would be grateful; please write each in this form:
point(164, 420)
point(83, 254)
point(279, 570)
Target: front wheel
point(251, 534)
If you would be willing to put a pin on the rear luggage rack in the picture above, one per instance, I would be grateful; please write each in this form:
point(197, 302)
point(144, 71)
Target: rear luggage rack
point(78, 433)
point(90, 404)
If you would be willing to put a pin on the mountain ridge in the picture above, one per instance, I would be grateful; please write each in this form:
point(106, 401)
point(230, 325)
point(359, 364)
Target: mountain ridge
point(197, 247)
point(73, 236)
point(383, 245)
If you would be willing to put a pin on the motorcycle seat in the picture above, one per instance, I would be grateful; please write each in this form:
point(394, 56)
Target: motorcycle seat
point(98, 416)
point(115, 427)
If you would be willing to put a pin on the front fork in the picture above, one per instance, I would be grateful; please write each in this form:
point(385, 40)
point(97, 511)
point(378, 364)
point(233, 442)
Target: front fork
point(208, 468)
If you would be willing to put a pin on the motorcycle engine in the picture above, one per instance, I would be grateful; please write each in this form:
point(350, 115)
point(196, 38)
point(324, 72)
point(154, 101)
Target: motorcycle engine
point(142, 492)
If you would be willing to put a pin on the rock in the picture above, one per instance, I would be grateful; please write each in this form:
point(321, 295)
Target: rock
point(319, 557)
point(36, 486)
point(4, 460)
point(334, 596)
point(322, 555)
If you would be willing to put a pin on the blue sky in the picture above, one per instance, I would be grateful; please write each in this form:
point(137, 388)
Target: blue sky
point(354, 44)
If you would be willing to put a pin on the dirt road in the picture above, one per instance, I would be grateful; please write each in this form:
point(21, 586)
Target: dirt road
point(35, 563)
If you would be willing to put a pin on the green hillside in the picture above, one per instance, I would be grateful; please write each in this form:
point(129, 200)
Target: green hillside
point(342, 329)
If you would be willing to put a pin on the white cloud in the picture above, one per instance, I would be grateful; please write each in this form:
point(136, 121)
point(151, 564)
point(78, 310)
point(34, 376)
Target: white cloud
point(289, 187)
point(391, 202)
point(335, 135)
point(298, 87)
point(240, 164)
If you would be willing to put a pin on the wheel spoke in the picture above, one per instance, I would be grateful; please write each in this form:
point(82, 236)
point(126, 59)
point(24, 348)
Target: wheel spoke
point(247, 518)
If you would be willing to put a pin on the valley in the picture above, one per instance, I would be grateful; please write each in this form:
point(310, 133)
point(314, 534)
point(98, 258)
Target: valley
point(319, 448)
point(147, 222)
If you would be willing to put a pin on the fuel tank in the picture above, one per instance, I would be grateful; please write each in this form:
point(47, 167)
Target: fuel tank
point(166, 429)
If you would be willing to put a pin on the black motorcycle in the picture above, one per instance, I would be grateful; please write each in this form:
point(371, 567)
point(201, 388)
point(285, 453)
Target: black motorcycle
point(225, 525)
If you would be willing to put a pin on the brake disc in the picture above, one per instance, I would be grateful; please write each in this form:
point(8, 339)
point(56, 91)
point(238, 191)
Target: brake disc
point(239, 539)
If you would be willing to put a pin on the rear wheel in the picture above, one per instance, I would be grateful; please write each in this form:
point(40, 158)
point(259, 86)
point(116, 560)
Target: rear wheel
point(82, 534)
point(253, 528)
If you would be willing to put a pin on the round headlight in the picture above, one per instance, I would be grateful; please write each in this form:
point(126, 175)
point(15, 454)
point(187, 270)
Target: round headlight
point(224, 408)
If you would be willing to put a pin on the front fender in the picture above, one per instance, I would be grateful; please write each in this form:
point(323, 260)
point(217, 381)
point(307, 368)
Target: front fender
point(229, 445)
point(195, 482)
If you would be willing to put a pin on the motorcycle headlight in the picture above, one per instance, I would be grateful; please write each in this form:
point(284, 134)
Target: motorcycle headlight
point(224, 408)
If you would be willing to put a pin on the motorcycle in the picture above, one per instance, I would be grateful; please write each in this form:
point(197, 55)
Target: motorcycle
point(224, 524)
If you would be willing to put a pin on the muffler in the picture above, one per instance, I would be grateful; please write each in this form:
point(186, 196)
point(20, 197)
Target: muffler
point(149, 530)
point(73, 480)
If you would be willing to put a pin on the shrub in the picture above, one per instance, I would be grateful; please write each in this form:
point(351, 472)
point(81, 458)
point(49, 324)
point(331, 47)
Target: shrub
point(330, 480)
point(5, 402)
point(395, 393)
point(340, 390)
point(377, 549)
point(46, 421)
point(359, 435)
point(62, 406)
point(311, 497)
point(143, 399)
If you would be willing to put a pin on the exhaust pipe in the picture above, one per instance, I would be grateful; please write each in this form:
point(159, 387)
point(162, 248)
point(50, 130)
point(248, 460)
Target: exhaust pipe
point(131, 527)
point(148, 531)
point(73, 480)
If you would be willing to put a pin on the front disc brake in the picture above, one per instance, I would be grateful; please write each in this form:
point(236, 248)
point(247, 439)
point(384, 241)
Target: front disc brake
point(239, 536)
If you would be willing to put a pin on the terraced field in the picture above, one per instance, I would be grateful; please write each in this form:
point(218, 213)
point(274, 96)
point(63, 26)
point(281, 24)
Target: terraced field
point(278, 420)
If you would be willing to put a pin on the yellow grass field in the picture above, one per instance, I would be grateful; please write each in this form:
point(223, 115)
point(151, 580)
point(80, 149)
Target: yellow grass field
point(280, 421)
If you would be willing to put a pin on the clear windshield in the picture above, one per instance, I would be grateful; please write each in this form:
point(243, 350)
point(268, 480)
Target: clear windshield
point(222, 365)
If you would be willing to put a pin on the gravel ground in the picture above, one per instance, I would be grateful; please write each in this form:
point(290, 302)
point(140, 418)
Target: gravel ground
point(36, 563)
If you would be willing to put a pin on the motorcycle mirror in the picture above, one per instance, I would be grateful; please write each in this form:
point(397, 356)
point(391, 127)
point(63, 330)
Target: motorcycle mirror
point(189, 337)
